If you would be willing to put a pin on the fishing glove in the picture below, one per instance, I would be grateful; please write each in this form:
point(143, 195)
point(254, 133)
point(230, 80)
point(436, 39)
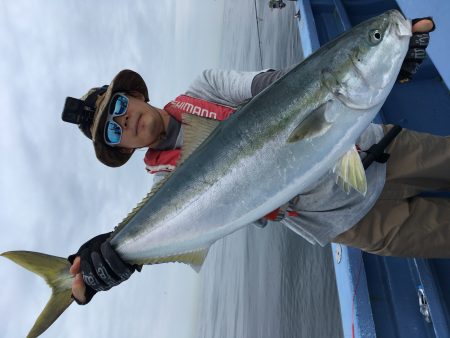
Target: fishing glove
point(416, 53)
point(101, 266)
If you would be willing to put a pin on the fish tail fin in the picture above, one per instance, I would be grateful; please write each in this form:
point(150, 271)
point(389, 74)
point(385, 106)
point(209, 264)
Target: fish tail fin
point(55, 271)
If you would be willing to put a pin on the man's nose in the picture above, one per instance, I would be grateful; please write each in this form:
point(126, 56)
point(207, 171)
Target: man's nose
point(122, 120)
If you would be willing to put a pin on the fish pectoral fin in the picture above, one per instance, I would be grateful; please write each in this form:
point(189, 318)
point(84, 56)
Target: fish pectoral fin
point(55, 271)
point(350, 173)
point(196, 130)
point(315, 124)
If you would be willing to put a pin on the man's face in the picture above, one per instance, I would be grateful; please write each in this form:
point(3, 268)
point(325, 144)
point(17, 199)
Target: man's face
point(141, 125)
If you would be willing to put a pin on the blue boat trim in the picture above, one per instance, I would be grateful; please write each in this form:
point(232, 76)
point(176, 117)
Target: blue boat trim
point(384, 296)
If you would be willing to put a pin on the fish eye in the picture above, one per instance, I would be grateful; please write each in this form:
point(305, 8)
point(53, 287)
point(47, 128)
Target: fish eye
point(375, 36)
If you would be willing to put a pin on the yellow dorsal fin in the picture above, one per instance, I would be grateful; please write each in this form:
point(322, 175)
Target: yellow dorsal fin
point(196, 130)
point(350, 172)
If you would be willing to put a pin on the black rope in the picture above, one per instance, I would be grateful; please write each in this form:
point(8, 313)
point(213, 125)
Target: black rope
point(259, 38)
point(376, 152)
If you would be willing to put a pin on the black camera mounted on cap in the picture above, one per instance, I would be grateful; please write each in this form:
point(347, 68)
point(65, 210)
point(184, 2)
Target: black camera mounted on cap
point(76, 111)
point(81, 112)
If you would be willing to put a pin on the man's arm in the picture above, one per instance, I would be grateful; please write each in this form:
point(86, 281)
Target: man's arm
point(227, 87)
point(265, 79)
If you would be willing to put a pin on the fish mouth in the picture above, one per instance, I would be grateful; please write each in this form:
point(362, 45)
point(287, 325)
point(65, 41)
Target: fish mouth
point(402, 25)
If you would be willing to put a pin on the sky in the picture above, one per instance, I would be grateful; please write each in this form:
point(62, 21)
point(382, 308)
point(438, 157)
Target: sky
point(54, 194)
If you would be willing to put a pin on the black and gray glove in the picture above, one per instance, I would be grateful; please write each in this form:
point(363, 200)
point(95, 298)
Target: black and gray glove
point(416, 53)
point(101, 267)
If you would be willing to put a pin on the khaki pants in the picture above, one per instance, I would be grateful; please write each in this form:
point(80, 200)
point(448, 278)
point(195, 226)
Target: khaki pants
point(402, 223)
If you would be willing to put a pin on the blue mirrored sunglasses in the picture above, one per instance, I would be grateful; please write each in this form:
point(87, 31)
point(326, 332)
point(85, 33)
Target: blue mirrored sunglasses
point(117, 107)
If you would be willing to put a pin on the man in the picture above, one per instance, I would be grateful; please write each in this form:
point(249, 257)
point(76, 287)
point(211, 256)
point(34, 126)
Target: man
point(276, 4)
point(119, 120)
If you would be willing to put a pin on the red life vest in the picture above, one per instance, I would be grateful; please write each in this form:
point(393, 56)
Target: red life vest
point(166, 160)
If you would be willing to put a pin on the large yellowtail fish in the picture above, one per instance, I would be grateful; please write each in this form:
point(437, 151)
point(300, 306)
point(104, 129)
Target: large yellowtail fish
point(235, 172)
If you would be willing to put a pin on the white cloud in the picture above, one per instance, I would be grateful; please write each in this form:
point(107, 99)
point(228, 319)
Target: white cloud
point(54, 194)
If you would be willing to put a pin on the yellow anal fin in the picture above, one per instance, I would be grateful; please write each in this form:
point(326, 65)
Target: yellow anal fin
point(55, 271)
point(193, 258)
point(350, 173)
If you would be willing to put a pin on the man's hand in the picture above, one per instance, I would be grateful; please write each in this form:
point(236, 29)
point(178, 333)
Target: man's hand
point(78, 286)
point(422, 25)
point(97, 267)
point(417, 46)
